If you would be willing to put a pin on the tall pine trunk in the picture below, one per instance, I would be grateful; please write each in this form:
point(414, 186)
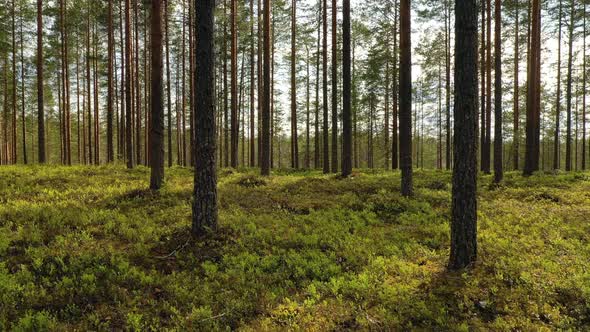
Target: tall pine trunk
point(346, 91)
point(110, 94)
point(316, 151)
point(395, 93)
point(265, 162)
point(252, 88)
point(326, 137)
point(128, 92)
point(584, 81)
point(498, 170)
point(568, 142)
point(516, 107)
point(464, 201)
point(168, 93)
point(204, 207)
point(405, 112)
point(234, 85)
point(156, 137)
point(22, 83)
point(334, 87)
point(294, 134)
point(40, 110)
point(533, 93)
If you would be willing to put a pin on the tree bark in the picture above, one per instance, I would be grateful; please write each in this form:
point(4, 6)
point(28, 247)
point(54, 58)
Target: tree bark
point(22, 82)
point(168, 94)
point(252, 88)
point(265, 165)
point(157, 101)
point(584, 81)
point(448, 84)
point(40, 110)
point(334, 87)
point(14, 105)
point(307, 112)
point(346, 90)
point(205, 183)
point(316, 151)
point(568, 142)
point(464, 201)
point(226, 120)
point(516, 124)
point(498, 168)
point(326, 137)
point(234, 85)
point(137, 86)
point(110, 95)
point(405, 116)
point(395, 94)
point(487, 146)
point(533, 93)
point(128, 78)
point(294, 134)
point(482, 141)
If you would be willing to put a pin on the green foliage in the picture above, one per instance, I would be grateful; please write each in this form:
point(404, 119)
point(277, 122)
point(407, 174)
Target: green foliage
point(91, 249)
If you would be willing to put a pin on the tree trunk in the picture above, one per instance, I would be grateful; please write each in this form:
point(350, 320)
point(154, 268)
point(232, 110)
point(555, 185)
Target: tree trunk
point(498, 170)
point(294, 134)
point(252, 88)
point(22, 82)
point(259, 66)
point(14, 105)
point(516, 138)
point(96, 103)
point(110, 95)
point(156, 136)
point(123, 78)
point(78, 93)
point(448, 84)
point(487, 147)
point(226, 145)
point(205, 184)
point(533, 93)
point(386, 115)
point(346, 90)
point(307, 113)
point(234, 86)
point(265, 165)
point(316, 150)
point(355, 108)
point(584, 80)
point(137, 85)
point(191, 83)
point(395, 94)
point(557, 145)
point(334, 86)
point(482, 141)
point(168, 94)
point(128, 78)
point(405, 112)
point(40, 110)
point(464, 201)
point(568, 142)
point(326, 149)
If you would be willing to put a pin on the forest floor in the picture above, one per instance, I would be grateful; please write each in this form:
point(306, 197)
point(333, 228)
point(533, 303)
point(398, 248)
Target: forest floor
point(89, 248)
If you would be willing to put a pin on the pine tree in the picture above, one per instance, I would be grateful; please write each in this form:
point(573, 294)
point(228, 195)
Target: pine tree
point(405, 85)
point(464, 201)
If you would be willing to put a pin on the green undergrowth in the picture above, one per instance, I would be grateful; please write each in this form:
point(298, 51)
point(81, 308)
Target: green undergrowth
point(89, 248)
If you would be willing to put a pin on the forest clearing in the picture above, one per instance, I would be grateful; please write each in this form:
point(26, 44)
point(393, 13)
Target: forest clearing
point(93, 249)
